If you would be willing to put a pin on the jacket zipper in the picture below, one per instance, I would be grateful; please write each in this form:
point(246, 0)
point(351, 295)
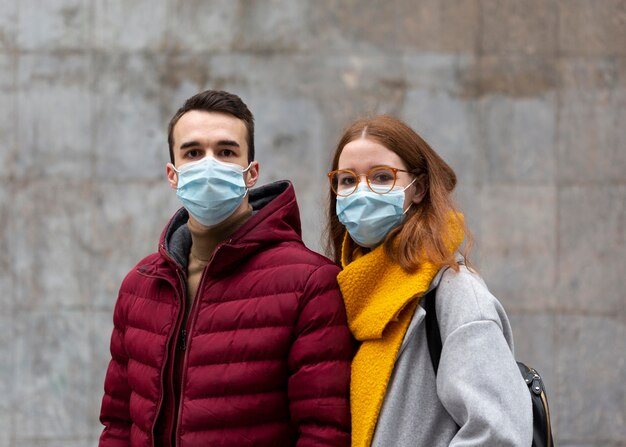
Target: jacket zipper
point(172, 334)
point(191, 321)
point(181, 333)
point(182, 343)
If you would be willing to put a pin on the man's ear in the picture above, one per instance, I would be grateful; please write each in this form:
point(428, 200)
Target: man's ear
point(172, 176)
point(252, 175)
point(420, 189)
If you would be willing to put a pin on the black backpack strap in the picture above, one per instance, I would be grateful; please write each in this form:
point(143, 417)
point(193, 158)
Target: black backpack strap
point(542, 426)
point(433, 336)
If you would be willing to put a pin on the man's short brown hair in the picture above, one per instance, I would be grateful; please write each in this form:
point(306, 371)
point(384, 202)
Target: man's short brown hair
point(215, 101)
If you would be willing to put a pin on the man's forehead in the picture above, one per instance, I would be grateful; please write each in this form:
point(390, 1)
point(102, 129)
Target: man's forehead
point(199, 124)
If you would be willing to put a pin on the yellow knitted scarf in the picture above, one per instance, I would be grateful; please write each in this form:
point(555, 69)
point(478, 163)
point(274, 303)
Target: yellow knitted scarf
point(380, 299)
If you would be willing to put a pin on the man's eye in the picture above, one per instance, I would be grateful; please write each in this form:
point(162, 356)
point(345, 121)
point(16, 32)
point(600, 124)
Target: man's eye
point(194, 153)
point(228, 153)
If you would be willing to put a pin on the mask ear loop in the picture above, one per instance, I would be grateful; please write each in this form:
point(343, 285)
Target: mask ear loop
point(243, 172)
point(404, 189)
point(407, 186)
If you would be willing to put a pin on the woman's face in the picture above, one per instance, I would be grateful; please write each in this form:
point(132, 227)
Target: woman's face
point(364, 154)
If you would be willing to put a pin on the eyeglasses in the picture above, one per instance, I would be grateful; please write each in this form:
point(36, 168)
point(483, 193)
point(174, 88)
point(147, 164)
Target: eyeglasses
point(380, 180)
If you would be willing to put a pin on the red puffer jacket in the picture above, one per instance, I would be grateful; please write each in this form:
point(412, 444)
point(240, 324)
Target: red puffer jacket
point(266, 360)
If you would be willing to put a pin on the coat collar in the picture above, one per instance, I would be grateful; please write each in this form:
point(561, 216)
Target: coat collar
point(275, 219)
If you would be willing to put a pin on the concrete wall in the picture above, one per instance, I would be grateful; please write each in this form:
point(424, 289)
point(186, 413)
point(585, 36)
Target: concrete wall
point(526, 99)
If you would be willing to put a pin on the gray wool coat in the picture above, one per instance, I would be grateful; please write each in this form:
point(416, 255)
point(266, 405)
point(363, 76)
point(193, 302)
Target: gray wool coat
point(478, 397)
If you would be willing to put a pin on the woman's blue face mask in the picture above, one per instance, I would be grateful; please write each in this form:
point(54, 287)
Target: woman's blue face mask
point(369, 216)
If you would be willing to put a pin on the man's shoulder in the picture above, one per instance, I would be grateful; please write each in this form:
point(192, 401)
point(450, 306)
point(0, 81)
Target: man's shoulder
point(295, 261)
point(146, 267)
point(297, 253)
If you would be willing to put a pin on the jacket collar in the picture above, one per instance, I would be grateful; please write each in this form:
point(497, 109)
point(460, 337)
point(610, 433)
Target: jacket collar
point(275, 219)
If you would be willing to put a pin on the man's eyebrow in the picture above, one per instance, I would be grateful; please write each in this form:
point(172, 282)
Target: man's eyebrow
point(232, 143)
point(189, 144)
point(221, 143)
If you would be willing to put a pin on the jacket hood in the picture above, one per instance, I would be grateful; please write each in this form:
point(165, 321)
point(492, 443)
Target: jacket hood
point(275, 219)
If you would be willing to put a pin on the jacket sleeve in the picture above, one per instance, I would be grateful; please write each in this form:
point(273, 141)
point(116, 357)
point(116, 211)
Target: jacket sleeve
point(115, 413)
point(478, 381)
point(319, 364)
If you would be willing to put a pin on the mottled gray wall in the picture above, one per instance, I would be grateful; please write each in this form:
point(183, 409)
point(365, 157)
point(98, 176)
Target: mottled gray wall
point(526, 100)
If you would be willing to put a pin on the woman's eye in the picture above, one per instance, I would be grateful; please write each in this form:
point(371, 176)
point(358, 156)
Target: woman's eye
point(346, 181)
point(383, 178)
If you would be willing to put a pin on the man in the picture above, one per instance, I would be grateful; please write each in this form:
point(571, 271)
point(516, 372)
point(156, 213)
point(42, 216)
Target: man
point(233, 333)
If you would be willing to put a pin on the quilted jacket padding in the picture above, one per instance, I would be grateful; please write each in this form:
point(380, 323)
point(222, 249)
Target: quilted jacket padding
point(267, 356)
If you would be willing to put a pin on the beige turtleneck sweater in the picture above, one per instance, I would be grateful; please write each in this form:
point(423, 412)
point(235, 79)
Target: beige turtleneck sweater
point(204, 240)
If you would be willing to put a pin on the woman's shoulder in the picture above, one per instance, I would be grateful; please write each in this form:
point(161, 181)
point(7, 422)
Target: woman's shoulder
point(463, 297)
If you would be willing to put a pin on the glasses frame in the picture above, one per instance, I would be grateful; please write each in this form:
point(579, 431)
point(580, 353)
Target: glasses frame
point(367, 179)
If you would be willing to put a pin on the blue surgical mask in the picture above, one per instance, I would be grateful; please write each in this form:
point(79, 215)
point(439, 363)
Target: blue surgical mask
point(369, 216)
point(211, 190)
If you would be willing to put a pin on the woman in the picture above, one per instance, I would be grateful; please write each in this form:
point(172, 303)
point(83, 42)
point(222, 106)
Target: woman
point(396, 233)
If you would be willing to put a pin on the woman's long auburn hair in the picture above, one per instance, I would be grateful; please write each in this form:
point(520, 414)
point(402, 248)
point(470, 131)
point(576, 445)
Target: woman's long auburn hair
point(423, 233)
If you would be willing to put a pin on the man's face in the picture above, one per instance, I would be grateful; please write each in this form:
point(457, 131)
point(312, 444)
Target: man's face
point(199, 134)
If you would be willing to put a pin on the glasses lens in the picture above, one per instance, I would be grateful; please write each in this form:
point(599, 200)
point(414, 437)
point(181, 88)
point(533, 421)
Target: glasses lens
point(343, 182)
point(381, 180)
